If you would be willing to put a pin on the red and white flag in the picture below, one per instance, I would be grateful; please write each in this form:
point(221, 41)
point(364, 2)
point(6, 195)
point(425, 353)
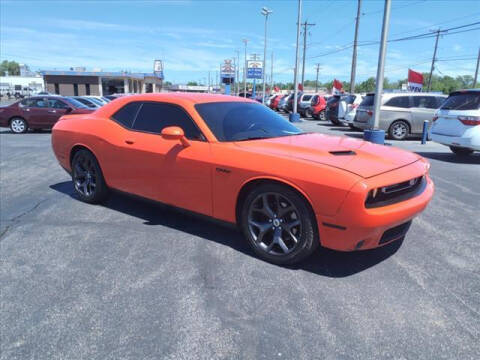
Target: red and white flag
point(337, 87)
point(415, 81)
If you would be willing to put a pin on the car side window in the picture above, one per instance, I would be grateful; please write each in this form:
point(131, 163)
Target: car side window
point(399, 101)
point(153, 117)
point(27, 102)
point(57, 104)
point(440, 101)
point(126, 115)
point(426, 102)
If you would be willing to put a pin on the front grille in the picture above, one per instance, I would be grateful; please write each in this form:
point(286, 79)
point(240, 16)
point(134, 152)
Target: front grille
point(395, 233)
point(392, 194)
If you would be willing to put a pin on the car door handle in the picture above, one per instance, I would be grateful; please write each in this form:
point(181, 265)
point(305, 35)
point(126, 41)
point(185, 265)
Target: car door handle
point(27, 109)
point(129, 142)
point(52, 111)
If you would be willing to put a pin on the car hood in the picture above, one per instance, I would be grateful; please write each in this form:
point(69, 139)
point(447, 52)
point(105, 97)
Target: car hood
point(359, 157)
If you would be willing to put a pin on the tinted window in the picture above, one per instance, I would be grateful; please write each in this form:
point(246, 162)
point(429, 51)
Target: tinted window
point(35, 102)
point(126, 115)
point(57, 104)
point(399, 101)
point(75, 103)
point(236, 121)
point(153, 117)
point(306, 97)
point(86, 102)
point(333, 99)
point(315, 100)
point(462, 101)
point(368, 100)
point(428, 102)
point(350, 99)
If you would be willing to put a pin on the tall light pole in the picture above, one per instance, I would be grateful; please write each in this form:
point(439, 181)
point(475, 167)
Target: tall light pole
point(354, 55)
point(305, 29)
point(271, 75)
point(245, 41)
point(476, 70)
point(294, 116)
point(265, 12)
point(380, 70)
point(429, 86)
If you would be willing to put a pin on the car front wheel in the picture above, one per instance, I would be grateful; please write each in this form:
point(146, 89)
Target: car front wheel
point(18, 125)
point(87, 178)
point(279, 224)
point(461, 151)
point(308, 113)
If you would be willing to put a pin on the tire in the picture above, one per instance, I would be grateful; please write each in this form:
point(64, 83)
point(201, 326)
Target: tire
point(399, 130)
point(18, 125)
point(308, 113)
point(272, 229)
point(461, 151)
point(321, 115)
point(87, 178)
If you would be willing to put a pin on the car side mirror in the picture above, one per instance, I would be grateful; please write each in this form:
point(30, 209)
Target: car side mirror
point(68, 110)
point(175, 133)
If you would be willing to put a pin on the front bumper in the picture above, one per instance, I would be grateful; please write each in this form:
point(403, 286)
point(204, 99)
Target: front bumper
point(356, 227)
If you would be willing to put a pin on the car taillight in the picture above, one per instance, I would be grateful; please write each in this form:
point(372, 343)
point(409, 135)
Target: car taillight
point(369, 112)
point(435, 118)
point(469, 120)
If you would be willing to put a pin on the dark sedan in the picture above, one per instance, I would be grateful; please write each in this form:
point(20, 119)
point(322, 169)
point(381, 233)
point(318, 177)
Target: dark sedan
point(38, 112)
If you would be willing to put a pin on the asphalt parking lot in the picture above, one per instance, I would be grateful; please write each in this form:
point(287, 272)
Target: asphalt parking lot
point(130, 279)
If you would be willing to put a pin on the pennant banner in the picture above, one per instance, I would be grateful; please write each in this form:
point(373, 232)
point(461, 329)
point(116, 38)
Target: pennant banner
point(415, 81)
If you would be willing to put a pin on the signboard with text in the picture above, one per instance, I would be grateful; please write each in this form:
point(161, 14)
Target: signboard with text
point(415, 81)
point(254, 69)
point(158, 68)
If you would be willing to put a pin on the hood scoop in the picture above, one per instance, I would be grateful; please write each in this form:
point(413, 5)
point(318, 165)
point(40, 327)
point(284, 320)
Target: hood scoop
point(343, 152)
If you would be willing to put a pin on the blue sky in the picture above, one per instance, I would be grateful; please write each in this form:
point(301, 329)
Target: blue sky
point(194, 36)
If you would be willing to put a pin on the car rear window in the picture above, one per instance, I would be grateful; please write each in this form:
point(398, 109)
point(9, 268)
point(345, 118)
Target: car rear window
point(126, 115)
point(306, 97)
point(368, 100)
point(350, 99)
point(333, 99)
point(462, 101)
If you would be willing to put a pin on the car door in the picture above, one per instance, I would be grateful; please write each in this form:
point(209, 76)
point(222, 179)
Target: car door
point(56, 109)
point(164, 170)
point(396, 108)
point(36, 112)
point(423, 109)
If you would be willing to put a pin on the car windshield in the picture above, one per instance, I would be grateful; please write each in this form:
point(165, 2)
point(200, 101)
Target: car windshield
point(238, 121)
point(462, 101)
point(75, 103)
point(96, 101)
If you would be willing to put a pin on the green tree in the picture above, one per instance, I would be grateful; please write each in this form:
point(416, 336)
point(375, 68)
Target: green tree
point(12, 67)
point(192, 83)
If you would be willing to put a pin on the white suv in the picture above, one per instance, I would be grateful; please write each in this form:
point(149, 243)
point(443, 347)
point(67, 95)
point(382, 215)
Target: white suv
point(457, 122)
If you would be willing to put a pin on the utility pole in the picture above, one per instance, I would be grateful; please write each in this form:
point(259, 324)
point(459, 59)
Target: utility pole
point(476, 70)
point(295, 116)
point(271, 74)
point(305, 28)
point(381, 65)
point(208, 82)
point(245, 41)
point(237, 73)
point(354, 56)
point(433, 61)
point(265, 12)
point(316, 80)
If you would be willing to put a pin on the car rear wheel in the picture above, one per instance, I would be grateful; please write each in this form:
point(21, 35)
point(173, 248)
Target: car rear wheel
point(308, 113)
point(399, 130)
point(18, 125)
point(279, 224)
point(321, 115)
point(461, 151)
point(87, 178)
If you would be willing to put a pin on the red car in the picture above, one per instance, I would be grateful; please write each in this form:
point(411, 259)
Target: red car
point(318, 107)
point(38, 112)
point(237, 161)
point(274, 102)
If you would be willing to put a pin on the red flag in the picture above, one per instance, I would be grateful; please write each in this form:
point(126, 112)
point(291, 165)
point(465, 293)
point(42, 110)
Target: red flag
point(337, 84)
point(300, 87)
point(276, 89)
point(415, 81)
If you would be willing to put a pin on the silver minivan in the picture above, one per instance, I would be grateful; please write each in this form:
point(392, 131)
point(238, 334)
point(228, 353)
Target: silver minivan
point(401, 114)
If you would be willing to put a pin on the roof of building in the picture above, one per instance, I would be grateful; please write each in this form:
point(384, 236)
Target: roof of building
point(101, 73)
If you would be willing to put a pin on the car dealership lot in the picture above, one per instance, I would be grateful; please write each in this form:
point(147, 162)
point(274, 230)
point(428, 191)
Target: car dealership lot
point(132, 279)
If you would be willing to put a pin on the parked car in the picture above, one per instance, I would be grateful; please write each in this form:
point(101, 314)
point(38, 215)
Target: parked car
point(334, 111)
point(274, 102)
point(351, 110)
point(99, 99)
point(38, 112)
point(401, 114)
point(283, 104)
point(289, 106)
point(457, 122)
point(357, 195)
point(315, 109)
point(86, 101)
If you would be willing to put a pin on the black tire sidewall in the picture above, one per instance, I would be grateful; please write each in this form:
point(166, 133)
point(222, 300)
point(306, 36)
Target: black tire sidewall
point(460, 151)
point(101, 190)
point(309, 239)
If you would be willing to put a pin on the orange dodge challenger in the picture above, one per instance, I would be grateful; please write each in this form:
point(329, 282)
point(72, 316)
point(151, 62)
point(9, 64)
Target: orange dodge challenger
point(236, 160)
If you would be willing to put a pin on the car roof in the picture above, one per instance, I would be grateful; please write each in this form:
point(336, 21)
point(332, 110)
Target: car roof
point(194, 98)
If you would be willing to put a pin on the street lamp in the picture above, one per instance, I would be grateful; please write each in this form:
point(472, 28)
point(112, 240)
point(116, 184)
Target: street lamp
point(245, 41)
point(265, 12)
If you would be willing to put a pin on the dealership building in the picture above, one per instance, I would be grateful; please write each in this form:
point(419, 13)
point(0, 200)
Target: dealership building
point(81, 82)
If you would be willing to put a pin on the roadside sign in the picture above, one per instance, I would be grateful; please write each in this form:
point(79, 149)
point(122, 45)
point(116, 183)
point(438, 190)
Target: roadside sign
point(254, 69)
point(158, 68)
point(227, 70)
